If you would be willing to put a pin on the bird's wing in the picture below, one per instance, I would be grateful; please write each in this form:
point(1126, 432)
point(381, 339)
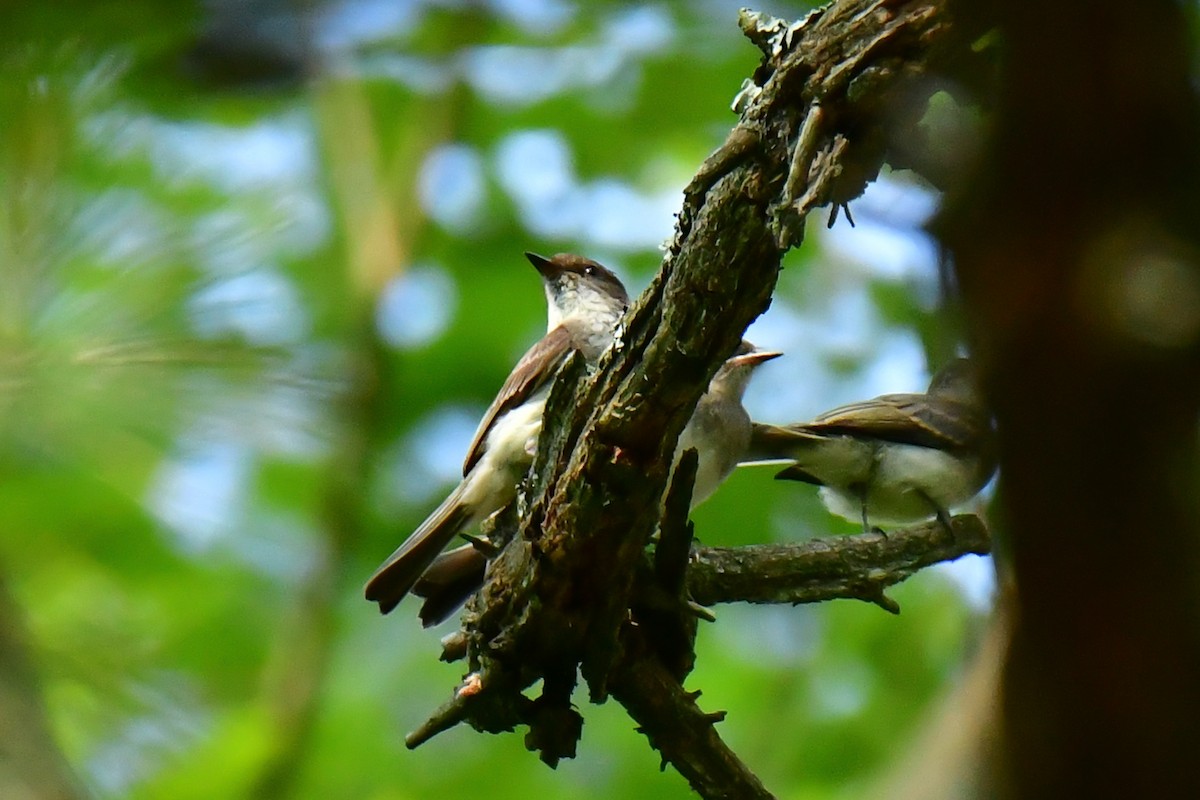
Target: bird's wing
point(449, 582)
point(918, 419)
point(535, 369)
point(396, 576)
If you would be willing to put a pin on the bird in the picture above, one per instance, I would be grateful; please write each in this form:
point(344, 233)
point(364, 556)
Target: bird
point(719, 430)
point(898, 458)
point(720, 427)
point(584, 303)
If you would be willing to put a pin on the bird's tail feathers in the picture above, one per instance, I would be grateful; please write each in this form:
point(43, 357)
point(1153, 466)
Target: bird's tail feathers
point(448, 582)
point(396, 576)
point(773, 444)
point(797, 473)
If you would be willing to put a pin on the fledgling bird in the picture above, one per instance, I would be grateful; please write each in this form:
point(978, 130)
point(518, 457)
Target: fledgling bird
point(584, 303)
point(719, 431)
point(896, 459)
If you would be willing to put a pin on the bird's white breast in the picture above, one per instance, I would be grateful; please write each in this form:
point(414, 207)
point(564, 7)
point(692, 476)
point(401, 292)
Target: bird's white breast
point(718, 440)
point(508, 451)
point(905, 479)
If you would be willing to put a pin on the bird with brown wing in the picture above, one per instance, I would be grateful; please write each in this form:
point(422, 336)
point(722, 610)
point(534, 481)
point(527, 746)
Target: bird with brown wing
point(719, 432)
point(898, 458)
point(584, 302)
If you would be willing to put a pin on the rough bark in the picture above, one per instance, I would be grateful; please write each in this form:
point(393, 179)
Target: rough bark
point(859, 567)
point(572, 593)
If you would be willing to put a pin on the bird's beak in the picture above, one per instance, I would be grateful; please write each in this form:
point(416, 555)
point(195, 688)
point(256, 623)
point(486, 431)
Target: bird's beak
point(754, 358)
point(542, 264)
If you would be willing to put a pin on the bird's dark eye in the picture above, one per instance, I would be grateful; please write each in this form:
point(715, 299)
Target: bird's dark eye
point(588, 270)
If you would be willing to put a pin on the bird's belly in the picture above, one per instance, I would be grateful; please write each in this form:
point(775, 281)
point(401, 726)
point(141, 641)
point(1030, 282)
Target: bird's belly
point(837, 461)
point(711, 471)
point(717, 442)
point(906, 479)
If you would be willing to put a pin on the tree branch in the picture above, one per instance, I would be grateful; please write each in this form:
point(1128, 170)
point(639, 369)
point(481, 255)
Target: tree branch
point(858, 567)
point(685, 735)
point(557, 601)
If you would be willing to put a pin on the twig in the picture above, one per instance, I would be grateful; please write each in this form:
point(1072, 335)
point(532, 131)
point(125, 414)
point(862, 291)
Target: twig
point(685, 735)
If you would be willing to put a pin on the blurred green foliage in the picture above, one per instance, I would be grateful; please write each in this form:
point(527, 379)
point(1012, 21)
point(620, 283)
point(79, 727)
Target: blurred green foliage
point(225, 394)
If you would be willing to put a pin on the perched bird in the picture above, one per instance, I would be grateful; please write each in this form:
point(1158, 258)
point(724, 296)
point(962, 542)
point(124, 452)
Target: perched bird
point(895, 459)
point(719, 428)
point(719, 431)
point(584, 303)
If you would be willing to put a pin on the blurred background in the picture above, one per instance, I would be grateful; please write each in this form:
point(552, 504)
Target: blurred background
point(261, 273)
